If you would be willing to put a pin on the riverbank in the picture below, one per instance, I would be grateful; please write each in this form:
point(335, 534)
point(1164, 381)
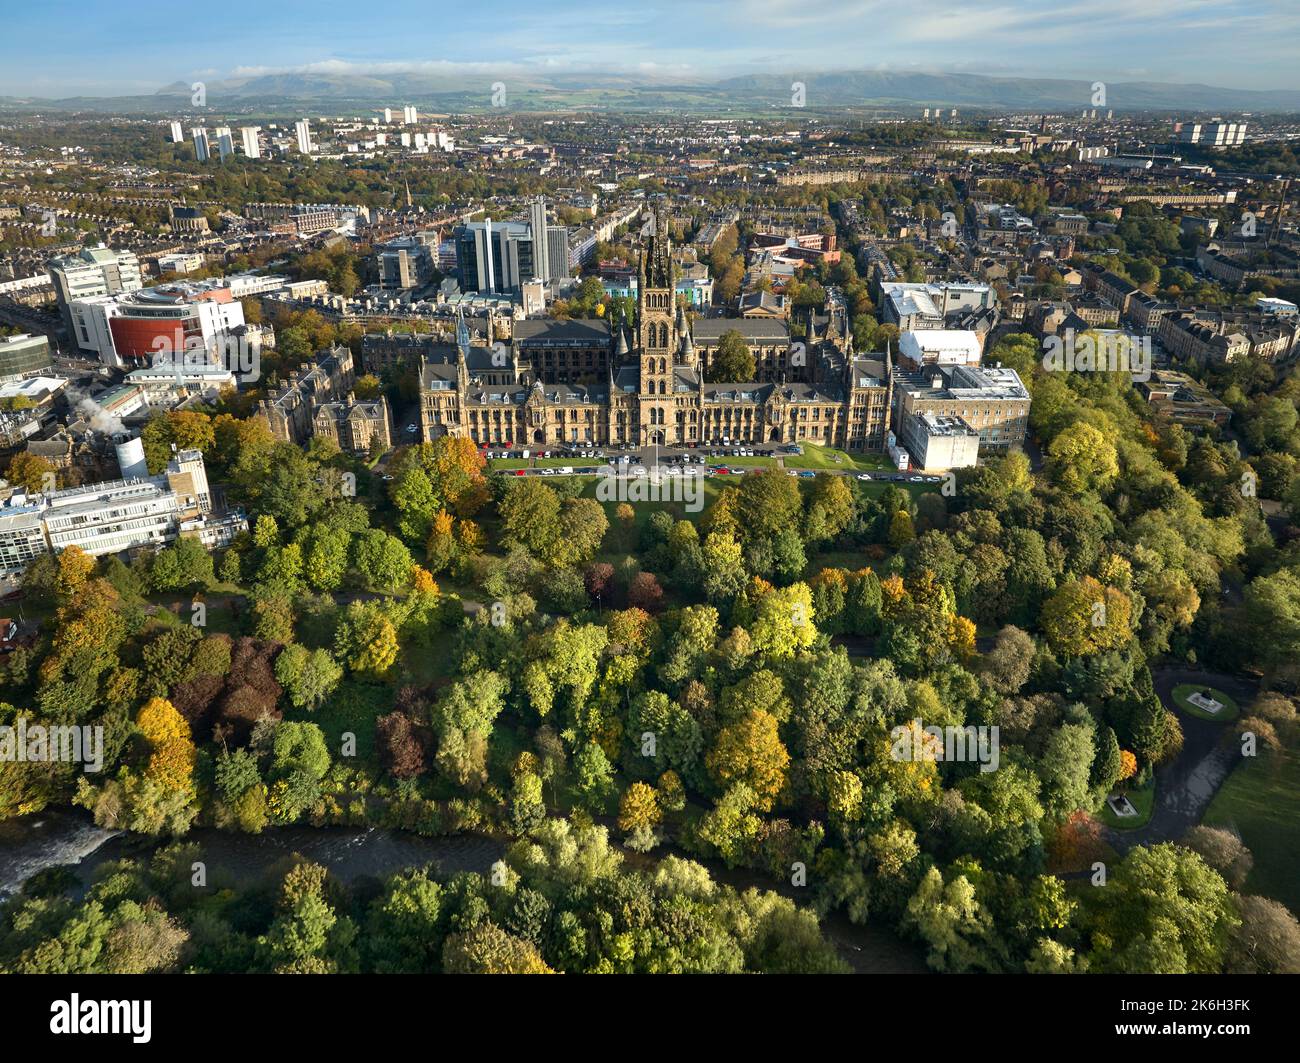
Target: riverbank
point(67, 837)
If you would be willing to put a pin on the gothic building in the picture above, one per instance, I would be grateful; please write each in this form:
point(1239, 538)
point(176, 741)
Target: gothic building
point(649, 386)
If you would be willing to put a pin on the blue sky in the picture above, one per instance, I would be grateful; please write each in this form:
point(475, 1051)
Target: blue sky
point(57, 48)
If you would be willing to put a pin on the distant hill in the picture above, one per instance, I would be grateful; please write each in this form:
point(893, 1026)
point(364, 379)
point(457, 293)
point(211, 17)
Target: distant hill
point(456, 91)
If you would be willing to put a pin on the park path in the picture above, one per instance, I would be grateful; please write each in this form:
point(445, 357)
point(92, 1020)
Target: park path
point(1187, 784)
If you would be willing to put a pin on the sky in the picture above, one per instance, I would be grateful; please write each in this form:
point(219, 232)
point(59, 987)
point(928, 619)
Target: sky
point(56, 48)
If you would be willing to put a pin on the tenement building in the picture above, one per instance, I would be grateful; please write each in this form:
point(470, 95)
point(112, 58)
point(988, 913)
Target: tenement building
point(645, 382)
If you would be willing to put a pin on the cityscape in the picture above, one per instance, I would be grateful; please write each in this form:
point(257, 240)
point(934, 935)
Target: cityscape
point(611, 505)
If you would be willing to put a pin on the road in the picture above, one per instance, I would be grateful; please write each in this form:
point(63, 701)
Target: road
point(1187, 784)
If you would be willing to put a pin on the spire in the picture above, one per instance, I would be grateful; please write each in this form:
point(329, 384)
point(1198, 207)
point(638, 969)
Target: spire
point(462, 335)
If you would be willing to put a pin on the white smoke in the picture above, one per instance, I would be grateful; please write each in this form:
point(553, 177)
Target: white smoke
point(94, 414)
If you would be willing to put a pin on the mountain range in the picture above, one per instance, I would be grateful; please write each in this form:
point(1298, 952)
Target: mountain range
point(538, 91)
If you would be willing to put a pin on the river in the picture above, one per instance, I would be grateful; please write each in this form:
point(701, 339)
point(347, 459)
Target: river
point(57, 837)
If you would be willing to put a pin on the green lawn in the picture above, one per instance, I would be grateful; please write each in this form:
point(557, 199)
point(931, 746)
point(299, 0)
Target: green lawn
point(1143, 800)
point(816, 457)
point(1261, 800)
point(1184, 690)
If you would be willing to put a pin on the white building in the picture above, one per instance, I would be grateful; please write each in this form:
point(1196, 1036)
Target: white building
point(248, 137)
point(302, 130)
point(201, 152)
point(108, 518)
point(939, 347)
point(1216, 134)
point(93, 271)
point(926, 306)
point(178, 133)
point(938, 443)
point(181, 262)
point(225, 143)
point(126, 331)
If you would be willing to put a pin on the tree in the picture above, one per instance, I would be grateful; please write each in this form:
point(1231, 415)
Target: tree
point(768, 502)
point(308, 676)
point(1084, 617)
point(1006, 666)
point(366, 640)
point(1081, 458)
point(732, 362)
point(1164, 911)
point(32, 473)
point(171, 756)
point(1266, 942)
point(645, 593)
point(638, 815)
point(403, 748)
point(487, 949)
point(1272, 610)
point(750, 752)
point(952, 921)
point(75, 566)
point(382, 561)
point(184, 566)
point(530, 515)
point(1223, 851)
point(830, 508)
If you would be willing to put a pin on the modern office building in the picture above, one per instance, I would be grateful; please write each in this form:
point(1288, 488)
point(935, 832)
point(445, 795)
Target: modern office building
point(502, 256)
point(23, 356)
point(407, 262)
point(132, 330)
point(928, 306)
point(494, 256)
point(934, 442)
point(93, 271)
point(540, 234)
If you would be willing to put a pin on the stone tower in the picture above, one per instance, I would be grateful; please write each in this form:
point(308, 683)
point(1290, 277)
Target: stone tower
point(656, 325)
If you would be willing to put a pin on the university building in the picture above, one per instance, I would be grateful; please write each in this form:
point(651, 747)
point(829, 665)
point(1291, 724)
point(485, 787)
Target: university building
point(643, 382)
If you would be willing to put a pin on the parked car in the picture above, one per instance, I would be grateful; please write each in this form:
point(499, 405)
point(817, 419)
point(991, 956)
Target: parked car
point(864, 476)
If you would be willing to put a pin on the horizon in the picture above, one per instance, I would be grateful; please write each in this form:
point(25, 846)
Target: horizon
point(1218, 43)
